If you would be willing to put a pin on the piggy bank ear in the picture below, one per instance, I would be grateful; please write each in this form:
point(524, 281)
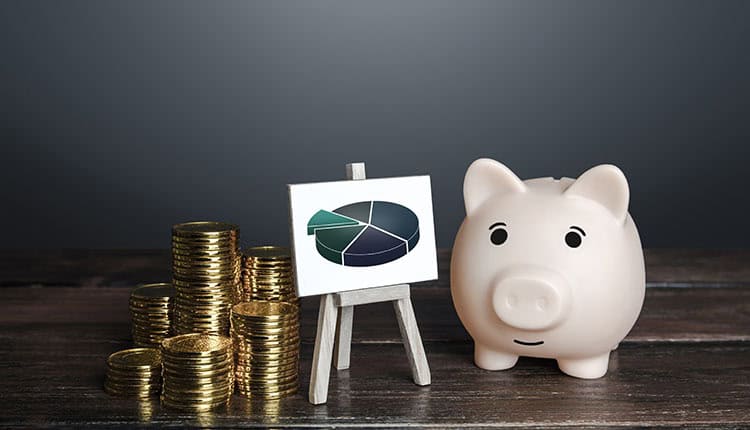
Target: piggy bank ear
point(606, 185)
point(486, 178)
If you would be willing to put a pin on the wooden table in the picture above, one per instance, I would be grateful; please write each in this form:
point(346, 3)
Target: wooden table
point(686, 362)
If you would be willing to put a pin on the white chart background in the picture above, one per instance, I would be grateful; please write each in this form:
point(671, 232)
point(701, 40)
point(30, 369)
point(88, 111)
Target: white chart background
point(316, 275)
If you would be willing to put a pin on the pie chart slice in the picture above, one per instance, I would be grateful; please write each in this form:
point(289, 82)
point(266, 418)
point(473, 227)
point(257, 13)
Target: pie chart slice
point(331, 242)
point(359, 211)
point(373, 247)
point(393, 219)
point(367, 233)
point(323, 219)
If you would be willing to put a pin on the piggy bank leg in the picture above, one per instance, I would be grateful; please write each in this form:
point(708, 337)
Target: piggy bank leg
point(490, 359)
point(586, 368)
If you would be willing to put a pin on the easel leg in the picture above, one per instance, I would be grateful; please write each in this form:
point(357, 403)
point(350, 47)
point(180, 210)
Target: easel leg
point(342, 349)
point(321, 366)
point(407, 323)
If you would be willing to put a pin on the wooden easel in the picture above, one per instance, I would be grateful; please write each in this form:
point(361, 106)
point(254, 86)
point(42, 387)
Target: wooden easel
point(334, 335)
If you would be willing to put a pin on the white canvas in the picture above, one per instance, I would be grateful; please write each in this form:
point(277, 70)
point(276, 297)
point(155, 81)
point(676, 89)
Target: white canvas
point(374, 241)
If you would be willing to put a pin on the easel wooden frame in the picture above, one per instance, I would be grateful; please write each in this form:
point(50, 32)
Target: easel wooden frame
point(334, 335)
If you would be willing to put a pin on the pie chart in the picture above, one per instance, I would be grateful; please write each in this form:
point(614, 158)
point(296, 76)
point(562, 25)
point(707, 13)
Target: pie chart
point(367, 233)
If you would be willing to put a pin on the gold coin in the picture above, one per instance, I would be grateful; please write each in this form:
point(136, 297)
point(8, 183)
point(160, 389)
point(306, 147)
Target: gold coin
point(135, 358)
point(196, 344)
point(205, 276)
point(192, 274)
point(149, 292)
point(258, 342)
point(226, 240)
point(205, 228)
point(268, 252)
point(198, 318)
point(265, 330)
point(132, 380)
point(203, 268)
point(130, 385)
point(197, 385)
point(183, 369)
point(183, 285)
point(151, 312)
point(185, 365)
point(150, 318)
point(218, 392)
point(271, 362)
point(149, 328)
point(192, 247)
point(255, 360)
point(198, 255)
point(201, 395)
point(204, 259)
point(152, 302)
point(247, 372)
point(257, 381)
point(267, 340)
point(195, 402)
point(267, 390)
point(197, 371)
point(265, 310)
point(150, 331)
point(289, 321)
point(267, 398)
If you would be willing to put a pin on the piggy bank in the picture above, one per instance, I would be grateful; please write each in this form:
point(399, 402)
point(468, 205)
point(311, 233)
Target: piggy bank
point(547, 268)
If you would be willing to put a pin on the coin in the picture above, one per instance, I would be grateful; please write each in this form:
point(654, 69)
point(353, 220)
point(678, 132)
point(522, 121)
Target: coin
point(267, 275)
point(135, 358)
point(198, 371)
point(150, 308)
point(196, 344)
point(207, 228)
point(265, 336)
point(134, 372)
point(206, 272)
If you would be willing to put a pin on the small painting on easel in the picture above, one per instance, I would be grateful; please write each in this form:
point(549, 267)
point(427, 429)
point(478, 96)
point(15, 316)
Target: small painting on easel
point(350, 235)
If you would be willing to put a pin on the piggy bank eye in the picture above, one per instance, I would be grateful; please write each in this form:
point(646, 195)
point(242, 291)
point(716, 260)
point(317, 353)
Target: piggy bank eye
point(574, 238)
point(499, 235)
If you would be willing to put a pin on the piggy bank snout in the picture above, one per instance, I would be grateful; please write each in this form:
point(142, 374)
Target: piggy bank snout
point(533, 299)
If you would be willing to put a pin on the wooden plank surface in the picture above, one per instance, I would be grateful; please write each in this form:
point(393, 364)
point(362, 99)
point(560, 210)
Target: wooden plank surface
point(669, 314)
point(111, 268)
point(686, 363)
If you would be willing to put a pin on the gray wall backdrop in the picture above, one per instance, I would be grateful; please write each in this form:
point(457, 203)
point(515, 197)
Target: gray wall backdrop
point(120, 118)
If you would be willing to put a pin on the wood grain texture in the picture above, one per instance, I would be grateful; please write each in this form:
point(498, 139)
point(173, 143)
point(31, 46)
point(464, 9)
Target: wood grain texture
point(407, 324)
point(343, 346)
point(371, 295)
point(323, 350)
point(111, 268)
point(686, 362)
point(54, 375)
point(669, 314)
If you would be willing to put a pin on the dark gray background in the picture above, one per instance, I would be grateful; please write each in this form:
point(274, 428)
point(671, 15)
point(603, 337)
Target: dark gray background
point(120, 118)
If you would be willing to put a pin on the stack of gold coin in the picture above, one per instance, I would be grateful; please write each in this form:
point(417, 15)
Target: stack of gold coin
point(198, 371)
point(265, 337)
point(206, 274)
point(267, 275)
point(151, 313)
point(134, 372)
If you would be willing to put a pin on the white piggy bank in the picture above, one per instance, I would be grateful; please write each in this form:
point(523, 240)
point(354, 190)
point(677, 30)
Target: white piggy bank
point(547, 268)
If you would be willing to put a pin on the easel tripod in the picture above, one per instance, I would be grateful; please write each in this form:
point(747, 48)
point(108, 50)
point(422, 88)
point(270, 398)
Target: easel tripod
point(335, 317)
